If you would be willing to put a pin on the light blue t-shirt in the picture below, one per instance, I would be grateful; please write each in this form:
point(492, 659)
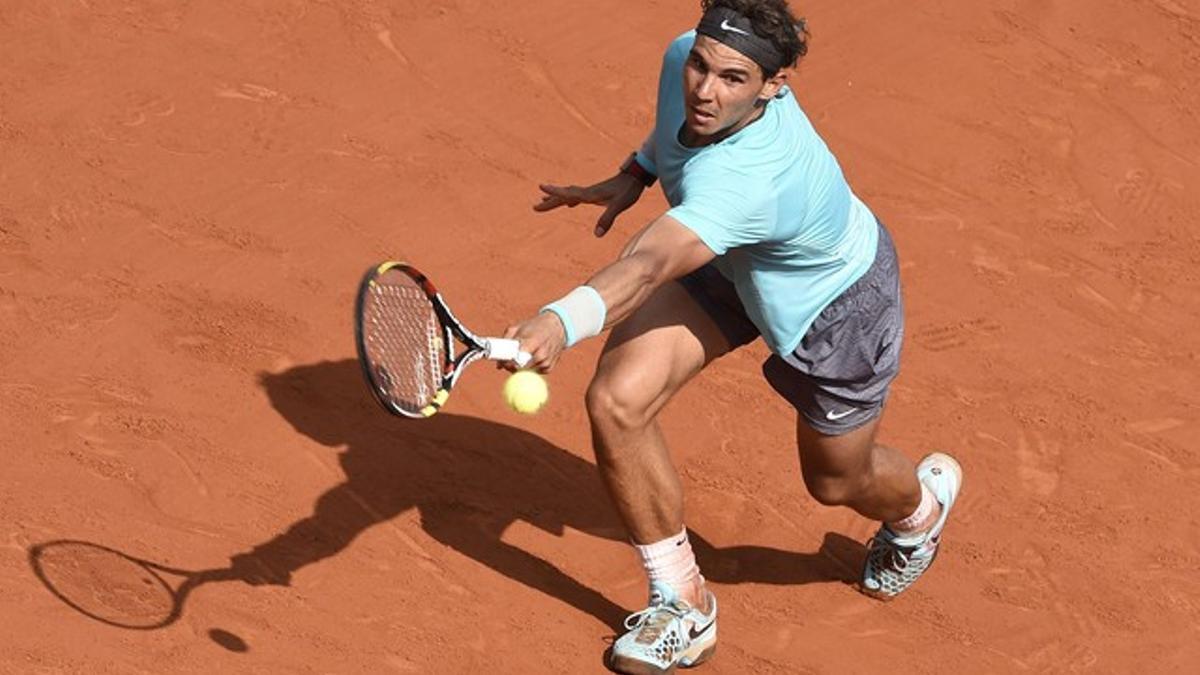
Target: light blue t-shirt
point(770, 201)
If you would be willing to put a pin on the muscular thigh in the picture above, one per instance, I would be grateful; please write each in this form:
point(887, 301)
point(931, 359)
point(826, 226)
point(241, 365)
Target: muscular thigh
point(653, 353)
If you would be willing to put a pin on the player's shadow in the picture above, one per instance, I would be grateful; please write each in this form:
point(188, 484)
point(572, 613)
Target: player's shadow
point(839, 559)
point(471, 479)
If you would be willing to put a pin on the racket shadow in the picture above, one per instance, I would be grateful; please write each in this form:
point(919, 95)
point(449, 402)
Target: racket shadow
point(115, 588)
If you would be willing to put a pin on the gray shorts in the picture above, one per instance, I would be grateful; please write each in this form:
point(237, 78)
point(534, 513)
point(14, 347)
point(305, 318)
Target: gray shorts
point(838, 377)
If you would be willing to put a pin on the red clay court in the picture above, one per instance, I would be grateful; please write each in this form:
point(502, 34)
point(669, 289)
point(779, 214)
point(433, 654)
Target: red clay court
point(190, 191)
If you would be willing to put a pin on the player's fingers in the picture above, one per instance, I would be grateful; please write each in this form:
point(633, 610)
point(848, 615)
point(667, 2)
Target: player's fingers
point(615, 208)
point(547, 357)
point(552, 197)
point(607, 219)
point(548, 202)
point(542, 363)
point(570, 195)
point(548, 365)
point(554, 360)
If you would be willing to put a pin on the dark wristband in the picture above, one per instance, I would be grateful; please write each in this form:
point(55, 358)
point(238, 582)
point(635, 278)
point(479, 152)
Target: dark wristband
point(635, 169)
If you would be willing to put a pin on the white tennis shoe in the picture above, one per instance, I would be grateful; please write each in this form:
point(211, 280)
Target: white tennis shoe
point(894, 562)
point(667, 633)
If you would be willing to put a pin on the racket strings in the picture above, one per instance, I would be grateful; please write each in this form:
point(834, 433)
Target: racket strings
point(403, 339)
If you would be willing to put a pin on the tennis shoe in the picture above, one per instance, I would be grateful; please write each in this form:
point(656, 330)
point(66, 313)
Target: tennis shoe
point(667, 633)
point(895, 562)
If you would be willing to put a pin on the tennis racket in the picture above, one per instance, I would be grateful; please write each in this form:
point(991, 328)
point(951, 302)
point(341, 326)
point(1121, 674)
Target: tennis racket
point(411, 347)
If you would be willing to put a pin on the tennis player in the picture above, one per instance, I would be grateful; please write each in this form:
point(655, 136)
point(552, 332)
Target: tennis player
point(763, 238)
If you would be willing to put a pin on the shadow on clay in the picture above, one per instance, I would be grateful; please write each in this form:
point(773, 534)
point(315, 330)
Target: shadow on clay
point(840, 558)
point(469, 479)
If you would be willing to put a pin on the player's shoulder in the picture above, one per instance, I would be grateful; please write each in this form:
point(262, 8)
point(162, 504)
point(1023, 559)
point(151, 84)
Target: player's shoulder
point(725, 167)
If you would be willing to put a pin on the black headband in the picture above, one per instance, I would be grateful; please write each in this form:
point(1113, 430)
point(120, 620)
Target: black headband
point(734, 30)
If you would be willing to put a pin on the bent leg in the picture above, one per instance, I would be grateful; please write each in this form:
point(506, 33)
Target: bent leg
point(838, 379)
point(646, 360)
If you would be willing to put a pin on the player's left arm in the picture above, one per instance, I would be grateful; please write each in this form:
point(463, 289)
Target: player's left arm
point(664, 250)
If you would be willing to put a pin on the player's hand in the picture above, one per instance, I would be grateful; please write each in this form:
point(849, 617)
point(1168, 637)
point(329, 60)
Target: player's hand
point(616, 194)
point(543, 337)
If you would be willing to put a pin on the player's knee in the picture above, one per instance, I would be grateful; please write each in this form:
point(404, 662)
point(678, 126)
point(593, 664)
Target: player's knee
point(614, 406)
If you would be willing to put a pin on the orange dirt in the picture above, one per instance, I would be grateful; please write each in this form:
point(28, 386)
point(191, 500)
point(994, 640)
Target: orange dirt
point(190, 191)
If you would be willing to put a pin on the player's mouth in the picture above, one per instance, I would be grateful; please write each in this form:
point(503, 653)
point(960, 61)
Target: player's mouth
point(700, 116)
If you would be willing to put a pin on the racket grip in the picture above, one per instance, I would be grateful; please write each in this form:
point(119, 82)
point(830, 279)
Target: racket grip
point(503, 349)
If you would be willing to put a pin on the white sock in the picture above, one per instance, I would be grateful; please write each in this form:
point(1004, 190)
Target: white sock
point(921, 519)
point(671, 561)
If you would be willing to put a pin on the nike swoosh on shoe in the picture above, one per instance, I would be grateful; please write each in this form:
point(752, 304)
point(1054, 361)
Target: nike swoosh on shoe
point(693, 633)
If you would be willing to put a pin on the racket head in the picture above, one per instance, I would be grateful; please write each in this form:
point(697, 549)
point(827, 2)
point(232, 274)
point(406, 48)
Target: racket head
point(405, 340)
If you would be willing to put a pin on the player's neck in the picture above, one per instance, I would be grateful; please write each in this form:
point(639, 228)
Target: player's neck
point(689, 139)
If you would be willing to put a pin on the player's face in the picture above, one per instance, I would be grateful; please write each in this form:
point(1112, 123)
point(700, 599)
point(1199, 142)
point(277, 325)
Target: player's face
point(720, 89)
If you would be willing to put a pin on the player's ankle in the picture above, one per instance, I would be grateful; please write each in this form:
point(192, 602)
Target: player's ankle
point(692, 591)
point(922, 518)
point(695, 594)
point(672, 563)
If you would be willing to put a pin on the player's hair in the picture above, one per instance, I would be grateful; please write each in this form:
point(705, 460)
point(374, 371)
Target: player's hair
point(773, 20)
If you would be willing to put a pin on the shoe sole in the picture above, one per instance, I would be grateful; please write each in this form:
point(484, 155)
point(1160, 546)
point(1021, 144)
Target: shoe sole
point(625, 666)
point(703, 656)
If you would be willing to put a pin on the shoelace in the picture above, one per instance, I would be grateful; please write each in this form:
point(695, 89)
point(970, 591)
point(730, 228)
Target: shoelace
point(896, 556)
point(640, 618)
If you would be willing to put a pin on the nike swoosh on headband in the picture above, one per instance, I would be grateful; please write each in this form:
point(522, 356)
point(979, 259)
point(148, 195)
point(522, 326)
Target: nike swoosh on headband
point(726, 27)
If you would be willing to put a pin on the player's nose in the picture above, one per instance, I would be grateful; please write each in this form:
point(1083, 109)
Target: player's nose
point(704, 88)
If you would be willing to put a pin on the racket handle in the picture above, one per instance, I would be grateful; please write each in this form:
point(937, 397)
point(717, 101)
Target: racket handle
point(503, 349)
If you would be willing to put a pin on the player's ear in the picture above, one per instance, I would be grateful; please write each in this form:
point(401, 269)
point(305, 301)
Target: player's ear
point(772, 85)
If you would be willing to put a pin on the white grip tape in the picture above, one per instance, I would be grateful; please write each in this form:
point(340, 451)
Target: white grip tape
point(582, 312)
point(504, 349)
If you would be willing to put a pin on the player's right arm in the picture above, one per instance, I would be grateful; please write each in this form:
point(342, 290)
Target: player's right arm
point(664, 250)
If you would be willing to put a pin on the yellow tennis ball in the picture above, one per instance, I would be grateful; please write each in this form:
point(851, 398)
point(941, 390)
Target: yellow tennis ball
point(526, 392)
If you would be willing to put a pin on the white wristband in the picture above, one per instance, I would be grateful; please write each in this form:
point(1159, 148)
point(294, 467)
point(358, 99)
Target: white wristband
point(582, 312)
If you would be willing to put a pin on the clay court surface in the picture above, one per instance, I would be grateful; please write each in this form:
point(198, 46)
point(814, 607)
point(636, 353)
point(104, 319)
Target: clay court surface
point(190, 191)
